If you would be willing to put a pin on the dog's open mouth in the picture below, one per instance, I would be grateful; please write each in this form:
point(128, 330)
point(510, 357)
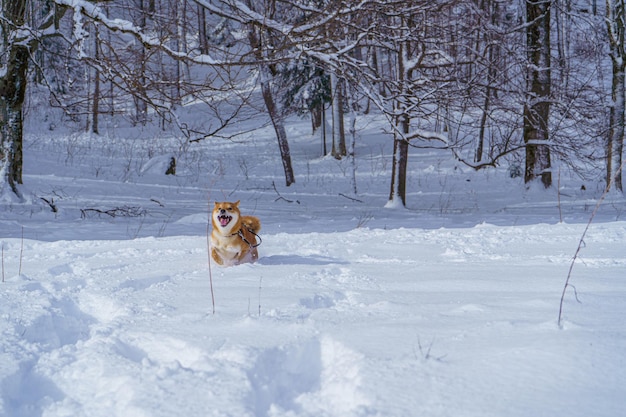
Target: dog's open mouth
point(224, 219)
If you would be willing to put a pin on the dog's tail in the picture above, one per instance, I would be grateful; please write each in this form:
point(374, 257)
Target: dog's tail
point(251, 223)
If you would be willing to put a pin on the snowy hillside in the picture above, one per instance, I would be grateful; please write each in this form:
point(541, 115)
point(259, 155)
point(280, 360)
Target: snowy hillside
point(447, 308)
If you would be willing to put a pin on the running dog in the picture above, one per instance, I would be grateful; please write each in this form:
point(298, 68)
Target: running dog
point(234, 237)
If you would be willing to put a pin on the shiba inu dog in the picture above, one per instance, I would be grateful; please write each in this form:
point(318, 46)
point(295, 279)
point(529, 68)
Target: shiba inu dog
point(234, 238)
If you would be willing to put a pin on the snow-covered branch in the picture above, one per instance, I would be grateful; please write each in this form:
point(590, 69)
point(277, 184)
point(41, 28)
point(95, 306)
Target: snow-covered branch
point(96, 14)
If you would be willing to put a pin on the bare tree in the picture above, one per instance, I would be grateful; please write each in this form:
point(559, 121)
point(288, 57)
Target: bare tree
point(263, 43)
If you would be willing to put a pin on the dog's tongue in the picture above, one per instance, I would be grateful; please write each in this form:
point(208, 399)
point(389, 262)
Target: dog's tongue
point(224, 220)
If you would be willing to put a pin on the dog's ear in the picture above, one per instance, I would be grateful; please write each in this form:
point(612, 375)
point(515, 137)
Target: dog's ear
point(236, 203)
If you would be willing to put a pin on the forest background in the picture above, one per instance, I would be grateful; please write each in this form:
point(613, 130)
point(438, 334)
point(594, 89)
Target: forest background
point(525, 82)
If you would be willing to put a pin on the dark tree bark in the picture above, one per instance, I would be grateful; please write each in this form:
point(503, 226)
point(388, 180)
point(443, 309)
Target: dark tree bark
point(95, 110)
point(279, 127)
point(339, 149)
point(203, 42)
point(12, 93)
point(616, 25)
point(398, 172)
point(141, 105)
point(537, 106)
point(400, 143)
point(492, 49)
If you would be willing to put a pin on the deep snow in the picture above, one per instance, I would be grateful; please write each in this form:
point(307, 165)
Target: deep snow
point(447, 308)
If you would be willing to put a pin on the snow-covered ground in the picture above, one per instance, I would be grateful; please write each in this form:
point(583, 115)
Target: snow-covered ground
point(447, 308)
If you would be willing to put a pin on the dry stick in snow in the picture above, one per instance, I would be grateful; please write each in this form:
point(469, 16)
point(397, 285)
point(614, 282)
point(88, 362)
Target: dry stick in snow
point(2, 261)
point(350, 198)
point(581, 242)
point(21, 253)
point(558, 196)
point(208, 245)
point(260, 282)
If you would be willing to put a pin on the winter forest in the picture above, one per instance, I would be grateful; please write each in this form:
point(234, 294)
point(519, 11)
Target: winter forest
point(490, 81)
point(438, 182)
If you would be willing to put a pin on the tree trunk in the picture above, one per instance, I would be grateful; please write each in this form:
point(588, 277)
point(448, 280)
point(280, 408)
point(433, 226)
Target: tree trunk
point(203, 42)
point(537, 106)
point(95, 110)
point(397, 195)
point(353, 106)
point(12, 93)
point(493, 52)
point(478, 157)
point(141, 106)
point(562, 15)
point(323, 131)
point(316, 117)
point(616, 25)
point(339, 136)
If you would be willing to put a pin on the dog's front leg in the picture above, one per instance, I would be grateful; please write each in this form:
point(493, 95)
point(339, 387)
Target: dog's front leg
point(216, 257)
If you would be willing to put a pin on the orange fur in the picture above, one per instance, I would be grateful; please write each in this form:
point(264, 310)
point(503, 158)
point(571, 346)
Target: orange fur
point(233, 239)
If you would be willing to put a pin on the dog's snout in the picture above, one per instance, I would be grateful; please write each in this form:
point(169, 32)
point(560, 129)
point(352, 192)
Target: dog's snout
point(222, 211)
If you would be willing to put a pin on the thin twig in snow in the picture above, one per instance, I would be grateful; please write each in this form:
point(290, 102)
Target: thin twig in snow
point(581, 244)
point(280, 197)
